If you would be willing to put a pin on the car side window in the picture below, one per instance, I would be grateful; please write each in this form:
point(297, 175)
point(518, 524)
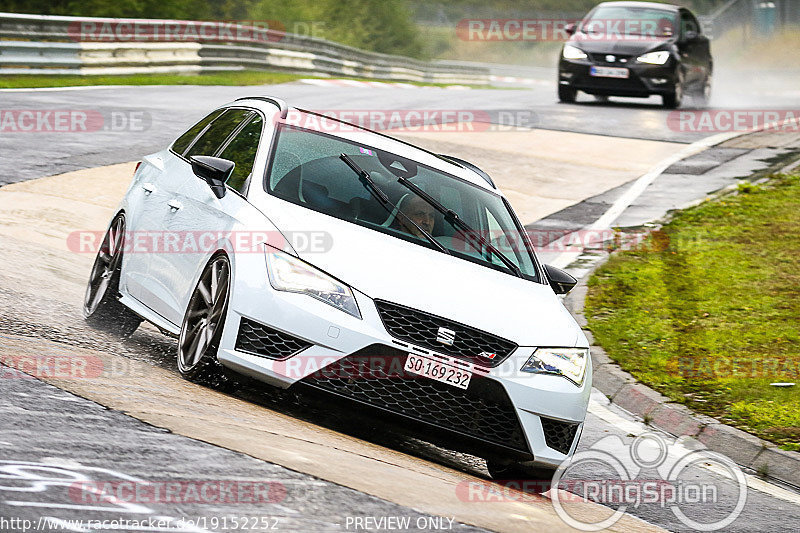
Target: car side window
point(242, 151)
point(185, 140)
point(216, 134)
point(689, 23)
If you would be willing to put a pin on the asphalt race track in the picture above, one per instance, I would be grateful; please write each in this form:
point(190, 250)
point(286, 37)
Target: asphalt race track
point(145, 423)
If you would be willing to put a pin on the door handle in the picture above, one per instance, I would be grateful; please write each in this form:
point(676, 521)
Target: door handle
point(174, 205)
point(148, 188)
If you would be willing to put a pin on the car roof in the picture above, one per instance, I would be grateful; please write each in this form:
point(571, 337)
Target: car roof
point(654, 5)
point(377, 140)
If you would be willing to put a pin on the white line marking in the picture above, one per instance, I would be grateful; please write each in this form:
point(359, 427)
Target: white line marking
point(638, 187)
point(637, 428)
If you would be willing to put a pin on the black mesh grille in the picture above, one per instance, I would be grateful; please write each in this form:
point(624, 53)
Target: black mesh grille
point(601, 58)
point(559, 435)
point(422, 329)
point(483, 411)
point(264, 341)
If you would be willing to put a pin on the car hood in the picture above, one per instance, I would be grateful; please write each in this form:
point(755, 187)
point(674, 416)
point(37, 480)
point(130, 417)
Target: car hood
point(620, 47)
point(387, 268)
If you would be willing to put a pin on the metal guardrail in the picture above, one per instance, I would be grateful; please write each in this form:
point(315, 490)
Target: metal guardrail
point(39, 44)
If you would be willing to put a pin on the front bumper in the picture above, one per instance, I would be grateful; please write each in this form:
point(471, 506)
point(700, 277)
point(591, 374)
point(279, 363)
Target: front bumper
point(504, 413)
point(644, 80)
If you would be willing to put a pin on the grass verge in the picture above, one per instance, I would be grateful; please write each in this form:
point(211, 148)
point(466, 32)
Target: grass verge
point(245, 77)
point(709, 313)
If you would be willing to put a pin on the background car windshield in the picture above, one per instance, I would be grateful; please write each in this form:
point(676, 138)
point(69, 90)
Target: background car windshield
point(306, 170)
point(631, 21)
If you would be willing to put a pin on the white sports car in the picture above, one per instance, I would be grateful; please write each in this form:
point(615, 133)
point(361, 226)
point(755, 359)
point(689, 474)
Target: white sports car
point(354, 265)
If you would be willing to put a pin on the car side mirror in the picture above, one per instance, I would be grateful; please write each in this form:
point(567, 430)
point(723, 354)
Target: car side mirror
point(212, 170)
point(561, 282)
point(570, 28)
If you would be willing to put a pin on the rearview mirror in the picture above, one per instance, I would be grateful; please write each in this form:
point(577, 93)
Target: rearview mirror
point(213, 170)
point(561, 282)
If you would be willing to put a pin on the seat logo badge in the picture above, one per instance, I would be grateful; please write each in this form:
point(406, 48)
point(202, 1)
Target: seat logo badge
point(610, 58)
point(446, 336)
point(487, 355)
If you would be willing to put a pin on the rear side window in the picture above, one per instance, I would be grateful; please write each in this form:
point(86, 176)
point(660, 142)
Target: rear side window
point(183, 142)
point(216, 134)
point(689, 23)
point(242, 151)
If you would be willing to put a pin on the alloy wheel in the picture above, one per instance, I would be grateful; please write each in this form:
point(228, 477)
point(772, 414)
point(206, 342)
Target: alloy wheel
point(105, 265)
point(204, 316)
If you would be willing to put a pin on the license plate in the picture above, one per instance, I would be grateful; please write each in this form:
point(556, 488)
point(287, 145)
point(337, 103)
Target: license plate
point(438, 370)
point(609, 72)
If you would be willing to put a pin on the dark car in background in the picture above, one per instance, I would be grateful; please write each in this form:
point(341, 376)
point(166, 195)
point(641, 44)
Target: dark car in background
point(636, 49)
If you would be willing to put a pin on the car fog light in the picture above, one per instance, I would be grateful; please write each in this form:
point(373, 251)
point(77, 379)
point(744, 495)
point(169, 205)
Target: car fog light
point(659, 81)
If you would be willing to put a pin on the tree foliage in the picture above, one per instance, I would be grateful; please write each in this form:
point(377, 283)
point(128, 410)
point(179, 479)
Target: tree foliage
point(379, 25)
point(386, 26)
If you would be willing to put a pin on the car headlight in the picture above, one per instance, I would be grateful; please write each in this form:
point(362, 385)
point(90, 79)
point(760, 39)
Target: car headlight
point(571, 52)
point(289, 274)
point(567, 362)
point(654, 58)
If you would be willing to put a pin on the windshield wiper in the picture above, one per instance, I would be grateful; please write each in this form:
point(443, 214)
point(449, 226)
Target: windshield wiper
point(379, 195)
point(452, 217)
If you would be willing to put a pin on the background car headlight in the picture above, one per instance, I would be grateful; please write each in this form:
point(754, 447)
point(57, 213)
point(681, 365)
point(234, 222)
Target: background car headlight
point(567, 362)
point(571, 52)
point(654, 58)
point(289, 274)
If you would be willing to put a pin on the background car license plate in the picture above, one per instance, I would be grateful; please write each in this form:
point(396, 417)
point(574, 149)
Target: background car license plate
point(609, 72)
point(437, 370)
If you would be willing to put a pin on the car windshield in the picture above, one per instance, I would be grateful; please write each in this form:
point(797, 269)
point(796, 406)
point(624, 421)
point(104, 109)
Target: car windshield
point(631, 21)
point(307, 170)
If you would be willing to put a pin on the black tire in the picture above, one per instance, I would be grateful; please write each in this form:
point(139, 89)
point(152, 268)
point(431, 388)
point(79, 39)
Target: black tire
point(537, 476)
point(202, 327)
point(674, 99)
point(703, 95)
point(567, 94)
point(101, 306)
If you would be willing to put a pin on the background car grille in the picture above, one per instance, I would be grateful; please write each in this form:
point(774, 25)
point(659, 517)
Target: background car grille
point(483, 411)
point(600, 57)
point(264, 341)
point(421, 329)
point(559, 435)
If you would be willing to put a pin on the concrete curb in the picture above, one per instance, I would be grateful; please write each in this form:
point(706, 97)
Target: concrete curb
point(622, 389)
point(659, 411)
